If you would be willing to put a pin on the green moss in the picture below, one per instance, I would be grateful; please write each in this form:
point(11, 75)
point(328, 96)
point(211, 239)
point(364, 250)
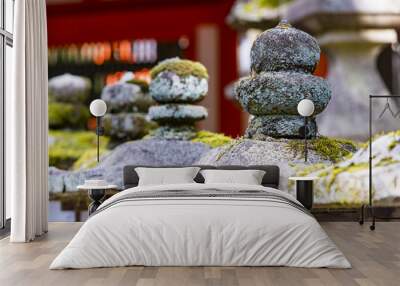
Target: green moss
point(395, 133)
point(348, 169)
point(333, 149)
point(88, 159)
point(63, 159)
point(229, 147)
point(65, 115)
point(306, 170)
point(396, 140)
point(144, 85)
point(323, 174)
point(255, 5)
point(271, 3)
point(393, 145)
point(180, 67)
point(386, 161)
point(212, 139)
point(66, 147)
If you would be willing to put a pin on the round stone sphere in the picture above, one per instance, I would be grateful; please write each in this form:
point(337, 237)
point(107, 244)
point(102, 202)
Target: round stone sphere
point(177, 114)
point(271, 93)
point(169, 87)
point(284, 48)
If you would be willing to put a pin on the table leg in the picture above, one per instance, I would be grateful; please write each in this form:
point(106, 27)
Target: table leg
point(304, 193)
point(96, 195)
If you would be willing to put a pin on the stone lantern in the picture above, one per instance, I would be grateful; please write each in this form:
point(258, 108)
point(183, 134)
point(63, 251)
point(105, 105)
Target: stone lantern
point(282, 62)
point(128, 103)
point(176, 86)
point(352, 33)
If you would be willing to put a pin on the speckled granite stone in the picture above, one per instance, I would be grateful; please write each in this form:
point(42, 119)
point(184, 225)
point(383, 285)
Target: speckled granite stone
point(282, 60)
point(284, 48)
point(127, 105)
point(280, 126)
point(264, 152)
point(280, 92)
point(126, 126)
point(126, 97)
point(174, 132)
point(177, 113)
point(168, 87)
point(153, 152)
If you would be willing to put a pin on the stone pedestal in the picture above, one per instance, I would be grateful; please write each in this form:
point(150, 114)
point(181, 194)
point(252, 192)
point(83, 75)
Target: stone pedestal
point(353, 76)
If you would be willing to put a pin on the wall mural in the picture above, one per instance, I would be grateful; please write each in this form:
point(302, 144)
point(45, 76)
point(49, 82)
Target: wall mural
point(152, 96)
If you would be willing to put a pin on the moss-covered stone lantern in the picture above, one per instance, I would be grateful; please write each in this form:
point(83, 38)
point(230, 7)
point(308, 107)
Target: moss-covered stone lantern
point(176, 85)
point(282, 62)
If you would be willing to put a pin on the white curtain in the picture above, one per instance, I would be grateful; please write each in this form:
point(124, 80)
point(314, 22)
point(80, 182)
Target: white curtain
point(27, 123)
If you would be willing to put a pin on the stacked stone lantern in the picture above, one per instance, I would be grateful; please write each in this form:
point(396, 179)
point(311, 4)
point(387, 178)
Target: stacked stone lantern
point(282, 62)
point(127, 106)
point(176, 85)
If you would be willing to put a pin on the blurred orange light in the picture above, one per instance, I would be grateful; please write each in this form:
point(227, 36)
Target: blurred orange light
point(143, 74)
point(125, 51)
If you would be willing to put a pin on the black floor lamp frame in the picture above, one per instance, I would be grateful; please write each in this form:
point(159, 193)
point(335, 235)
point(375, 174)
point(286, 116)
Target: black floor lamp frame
point(99, 132)
point(369, 207)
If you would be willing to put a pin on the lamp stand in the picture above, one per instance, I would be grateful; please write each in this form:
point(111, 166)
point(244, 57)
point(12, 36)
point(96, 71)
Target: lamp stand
point(99, 132)
point(305, 139)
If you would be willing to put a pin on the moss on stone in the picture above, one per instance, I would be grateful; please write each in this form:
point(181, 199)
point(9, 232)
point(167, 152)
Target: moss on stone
point(393, 145)
point(212, 139)
point(306, 170)
point(333, 149)
point(66, 115)
point(66, 147)
point(180, 67)
point(351, 168)
point(396, 140)
point(63, 158)
point(229, 147)
point(252, 5)
point(173, 132)
point(88, 159)
point(386, 161)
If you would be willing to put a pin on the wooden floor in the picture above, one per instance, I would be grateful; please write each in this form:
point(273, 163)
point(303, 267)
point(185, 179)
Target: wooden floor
point(375, 257)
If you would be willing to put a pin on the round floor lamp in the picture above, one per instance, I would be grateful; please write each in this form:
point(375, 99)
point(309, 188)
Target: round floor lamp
point(305, 108)
point(98, 108)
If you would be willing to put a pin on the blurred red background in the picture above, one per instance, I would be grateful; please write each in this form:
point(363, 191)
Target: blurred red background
point(91, 21)
point(202, 23)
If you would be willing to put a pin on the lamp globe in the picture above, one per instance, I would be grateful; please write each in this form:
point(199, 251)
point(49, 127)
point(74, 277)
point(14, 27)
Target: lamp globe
point(98, 108)
point(306, 107)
